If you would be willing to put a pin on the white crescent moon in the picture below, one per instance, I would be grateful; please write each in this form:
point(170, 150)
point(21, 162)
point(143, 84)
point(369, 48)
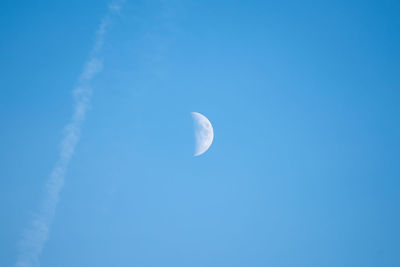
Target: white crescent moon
point(203, 132)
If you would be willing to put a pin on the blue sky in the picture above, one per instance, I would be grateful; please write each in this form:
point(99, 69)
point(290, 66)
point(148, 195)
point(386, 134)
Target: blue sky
point(303, 98)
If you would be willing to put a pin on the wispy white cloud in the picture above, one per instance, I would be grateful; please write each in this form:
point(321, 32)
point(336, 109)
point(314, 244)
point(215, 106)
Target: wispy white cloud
point(36, 234)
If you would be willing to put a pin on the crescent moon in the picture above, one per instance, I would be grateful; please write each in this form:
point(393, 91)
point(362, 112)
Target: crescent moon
point(203, 133)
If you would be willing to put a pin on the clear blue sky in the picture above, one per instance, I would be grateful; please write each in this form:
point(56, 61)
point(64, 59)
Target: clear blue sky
point(304, 100)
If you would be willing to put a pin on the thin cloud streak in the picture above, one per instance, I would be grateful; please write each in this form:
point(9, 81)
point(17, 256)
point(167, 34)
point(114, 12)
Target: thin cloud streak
point(36, 234)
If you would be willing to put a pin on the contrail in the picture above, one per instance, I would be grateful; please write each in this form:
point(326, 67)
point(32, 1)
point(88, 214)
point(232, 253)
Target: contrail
point(36, 234)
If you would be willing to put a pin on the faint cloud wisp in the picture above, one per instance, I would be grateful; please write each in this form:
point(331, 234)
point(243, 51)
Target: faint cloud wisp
point(36, 234)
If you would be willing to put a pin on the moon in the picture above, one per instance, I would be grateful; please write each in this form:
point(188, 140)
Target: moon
point(203, 133)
